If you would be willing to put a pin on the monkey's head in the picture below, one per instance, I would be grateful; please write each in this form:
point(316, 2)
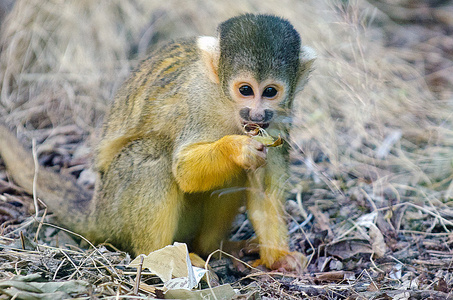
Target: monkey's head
point(259, 63)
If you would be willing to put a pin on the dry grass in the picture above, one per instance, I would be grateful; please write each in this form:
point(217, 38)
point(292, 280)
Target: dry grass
point(61, 62)
point(370, 134)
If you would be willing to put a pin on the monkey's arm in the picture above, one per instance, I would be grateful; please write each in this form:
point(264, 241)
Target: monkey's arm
point(202, 167)
point(265, 203)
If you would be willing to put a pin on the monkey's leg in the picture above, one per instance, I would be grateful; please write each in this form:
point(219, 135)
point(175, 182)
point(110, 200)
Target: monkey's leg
point(219, 210)
point(138, 201)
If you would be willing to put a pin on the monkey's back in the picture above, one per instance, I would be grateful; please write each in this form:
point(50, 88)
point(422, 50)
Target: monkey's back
point(148, 104)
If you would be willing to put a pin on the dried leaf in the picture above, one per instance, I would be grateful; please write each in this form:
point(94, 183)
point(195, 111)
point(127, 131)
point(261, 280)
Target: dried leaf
point(222, 292)
point(27, 287)
point(172, 264)
point(377, 241)
point(348, 248)
point(442, 286)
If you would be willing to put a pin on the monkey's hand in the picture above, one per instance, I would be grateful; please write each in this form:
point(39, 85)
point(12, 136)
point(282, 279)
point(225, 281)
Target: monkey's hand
point(249, 153)
point(294, 262)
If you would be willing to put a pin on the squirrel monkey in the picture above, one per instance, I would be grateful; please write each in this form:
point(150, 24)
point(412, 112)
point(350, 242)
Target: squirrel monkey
point(176, 158)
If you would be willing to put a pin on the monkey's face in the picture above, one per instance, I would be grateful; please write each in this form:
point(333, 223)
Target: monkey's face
point(257, 102)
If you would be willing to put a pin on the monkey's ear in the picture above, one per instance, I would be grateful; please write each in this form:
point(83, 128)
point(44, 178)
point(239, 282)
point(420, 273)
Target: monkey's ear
point(210, 55)
point(307, 57)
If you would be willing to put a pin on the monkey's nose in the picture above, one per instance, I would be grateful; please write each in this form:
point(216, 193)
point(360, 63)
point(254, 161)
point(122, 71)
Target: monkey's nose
point(257, 117)
point(261, 116)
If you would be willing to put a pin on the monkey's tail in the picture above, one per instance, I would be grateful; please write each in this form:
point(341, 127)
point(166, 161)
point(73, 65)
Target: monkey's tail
point(62, 195)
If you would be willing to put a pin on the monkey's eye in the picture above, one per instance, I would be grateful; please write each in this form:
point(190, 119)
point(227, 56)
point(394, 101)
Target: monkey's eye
point(269, 92)
point(246, 90)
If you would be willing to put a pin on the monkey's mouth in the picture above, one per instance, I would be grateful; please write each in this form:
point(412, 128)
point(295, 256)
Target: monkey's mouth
point(248, 127)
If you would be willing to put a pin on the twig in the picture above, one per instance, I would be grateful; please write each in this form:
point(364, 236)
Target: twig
point(440, 234)
point(58, 268)
point(40, 224)
point(77, 268)
point(35, 177)
point(139, 274)
point(22, 240)
point(299, 203)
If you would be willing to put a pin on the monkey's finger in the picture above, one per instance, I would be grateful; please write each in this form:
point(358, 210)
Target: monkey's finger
point(257, 145)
